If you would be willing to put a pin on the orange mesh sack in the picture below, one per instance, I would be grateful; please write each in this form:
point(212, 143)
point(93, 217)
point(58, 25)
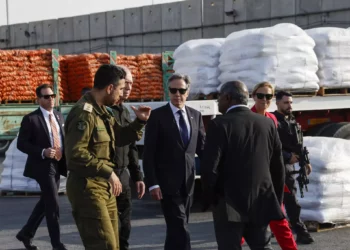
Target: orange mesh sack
point(131, 63)
point(151, 76)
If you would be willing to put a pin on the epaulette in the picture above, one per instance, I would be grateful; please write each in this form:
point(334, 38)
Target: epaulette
point(88, 107)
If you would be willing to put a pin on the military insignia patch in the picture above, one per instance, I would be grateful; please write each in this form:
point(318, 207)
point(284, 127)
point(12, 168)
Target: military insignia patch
point(88, 107)
point(81, 125)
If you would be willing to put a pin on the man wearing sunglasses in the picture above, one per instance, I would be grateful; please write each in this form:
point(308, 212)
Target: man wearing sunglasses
point(173, 135)
point(41, 138)
point(127, 166)
point(286, 121)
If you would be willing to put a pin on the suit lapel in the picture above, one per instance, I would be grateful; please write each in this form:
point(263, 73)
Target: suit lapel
point(191, 121)
point(43, 123)
point(174, 127)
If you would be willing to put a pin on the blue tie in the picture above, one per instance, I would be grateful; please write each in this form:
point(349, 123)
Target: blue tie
point(183, 128)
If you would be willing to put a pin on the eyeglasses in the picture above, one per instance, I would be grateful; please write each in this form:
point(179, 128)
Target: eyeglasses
point(261, 96)
point(174, 91)
point(49, 96)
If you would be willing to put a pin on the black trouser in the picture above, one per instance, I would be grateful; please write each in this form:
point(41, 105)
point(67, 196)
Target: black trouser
point(47, 206)
point(124, 210)
point(176, 210)
point(292, 206)
point(229, 234)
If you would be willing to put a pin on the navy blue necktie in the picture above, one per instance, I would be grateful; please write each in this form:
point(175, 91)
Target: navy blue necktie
point(183, 128)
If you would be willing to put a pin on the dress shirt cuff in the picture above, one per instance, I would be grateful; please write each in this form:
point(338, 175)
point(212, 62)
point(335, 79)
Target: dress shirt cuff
point(42, 153)
point(153, 187)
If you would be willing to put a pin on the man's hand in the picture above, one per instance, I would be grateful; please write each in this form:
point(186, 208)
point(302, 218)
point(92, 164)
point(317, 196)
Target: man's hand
point(294, 159)
point(143, 112)
point(308, 169)
point(49, 153)
point(140, 187)
point(116, 184)
point(156, 194)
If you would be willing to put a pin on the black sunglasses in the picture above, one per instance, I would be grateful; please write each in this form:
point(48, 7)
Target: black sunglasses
point(261, 96)
point(174, 91)
point(48, 96)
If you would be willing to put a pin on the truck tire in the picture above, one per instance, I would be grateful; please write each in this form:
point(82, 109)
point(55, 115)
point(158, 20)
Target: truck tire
point(318, 129)
point(4, 145)
point(338, 130)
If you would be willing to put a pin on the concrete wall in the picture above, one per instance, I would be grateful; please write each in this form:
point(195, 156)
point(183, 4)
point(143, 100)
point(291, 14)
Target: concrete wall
point(153, 29)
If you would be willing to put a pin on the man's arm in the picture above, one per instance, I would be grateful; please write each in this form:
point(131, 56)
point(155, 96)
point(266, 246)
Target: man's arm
point(134, 167)
point(128, 134)
point(201, 137)
point(212, 155)
point(150, 151)
point(24, 143)
point(277, 168)
point(78, 129)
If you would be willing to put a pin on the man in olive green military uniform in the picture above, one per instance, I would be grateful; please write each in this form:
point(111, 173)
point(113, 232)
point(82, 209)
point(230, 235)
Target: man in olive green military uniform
point(91, 134)
point(127, 159)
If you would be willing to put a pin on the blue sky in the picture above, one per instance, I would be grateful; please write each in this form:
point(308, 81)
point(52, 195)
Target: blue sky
point(24, 11)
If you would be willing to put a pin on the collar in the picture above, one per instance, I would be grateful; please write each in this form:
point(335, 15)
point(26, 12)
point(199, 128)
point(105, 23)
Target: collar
point(236, 106)
point(281, 116)
point(100, 110)
point(175, 109)
point(45, 112)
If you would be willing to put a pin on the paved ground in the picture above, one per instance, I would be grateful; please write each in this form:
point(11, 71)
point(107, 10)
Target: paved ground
point(148, 228)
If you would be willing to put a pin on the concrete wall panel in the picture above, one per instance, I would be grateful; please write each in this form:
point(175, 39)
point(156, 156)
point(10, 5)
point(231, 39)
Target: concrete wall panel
point(310, 21)
point(335, 4)
point(171, 16)
point(98, 27)
point(213, 12)
point(81, 27)
point(308, 6)
point(191, 14)
point(214, 32)
point(240, 9)
point(36, 33)
point(338, 19)
point(133, 21)
point(152, 18)
point(115, 23)
point(257, 9)
point(3, 37)
point(261, 24)
point(283, 20)
point(82, 47)
point(282, 8)
point(133, 45)
point(229, 28)
point(152, 43)
point(190, 34)
point(50, 30)
point(66, 29)
point(170, 40)
point(117, 44)
point(66, 48)
point(18, 37)
point(98, 45)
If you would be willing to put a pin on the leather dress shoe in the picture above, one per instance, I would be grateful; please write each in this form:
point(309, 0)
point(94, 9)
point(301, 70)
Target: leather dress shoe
point(26, 242)
point(60, 247)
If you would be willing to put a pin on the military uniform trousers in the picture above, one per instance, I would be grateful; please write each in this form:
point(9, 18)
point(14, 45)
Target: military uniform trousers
point(124, 210)
point(94, 211)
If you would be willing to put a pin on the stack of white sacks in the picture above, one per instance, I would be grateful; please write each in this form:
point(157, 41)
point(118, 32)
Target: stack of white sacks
point(333, 53)
point(282, 55)
point(12, 178)
point(328, 196)
point(199, 59)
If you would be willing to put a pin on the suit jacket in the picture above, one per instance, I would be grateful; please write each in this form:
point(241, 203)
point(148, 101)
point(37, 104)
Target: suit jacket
point(242, 164)
point(33, 138)
point(167, 162)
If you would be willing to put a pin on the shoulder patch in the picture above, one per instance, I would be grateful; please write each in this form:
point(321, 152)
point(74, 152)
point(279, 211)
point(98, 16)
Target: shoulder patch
point(81, 125)
point(88, 107)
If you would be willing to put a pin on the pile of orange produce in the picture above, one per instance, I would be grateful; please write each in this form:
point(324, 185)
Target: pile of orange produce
point(21, 71)
point(150, 76)
point(81, 72)
point(131, 63)
point(62, 77)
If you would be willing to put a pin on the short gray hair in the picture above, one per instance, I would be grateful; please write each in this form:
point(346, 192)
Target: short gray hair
point(177, 76)
point(236, 90)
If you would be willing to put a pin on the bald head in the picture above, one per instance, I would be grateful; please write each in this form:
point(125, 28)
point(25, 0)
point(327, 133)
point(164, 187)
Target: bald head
point(232, 93)
point(128, 83)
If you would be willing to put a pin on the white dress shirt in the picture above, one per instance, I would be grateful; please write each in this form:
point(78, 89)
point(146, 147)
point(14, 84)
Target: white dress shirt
point(47, 121)
point(177, 119)
point(236, 106)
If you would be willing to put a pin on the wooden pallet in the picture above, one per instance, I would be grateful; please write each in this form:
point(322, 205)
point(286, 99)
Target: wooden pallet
point(19, 102)
point(324, 91)
point(22, 194)
point(314, 226)
point(145, 100)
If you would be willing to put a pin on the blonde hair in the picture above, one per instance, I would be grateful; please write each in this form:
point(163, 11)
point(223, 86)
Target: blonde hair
point(261, 85)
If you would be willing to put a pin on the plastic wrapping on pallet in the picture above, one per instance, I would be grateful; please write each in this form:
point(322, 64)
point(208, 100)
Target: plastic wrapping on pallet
point(12, 178)
point(333, 53)
point(282, 55)
point(199, 59)
point(328, 196)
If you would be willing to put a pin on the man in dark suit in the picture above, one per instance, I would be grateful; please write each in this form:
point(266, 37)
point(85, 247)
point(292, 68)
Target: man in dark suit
point(174, 134)
point(242, 171)
point(41, 138)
